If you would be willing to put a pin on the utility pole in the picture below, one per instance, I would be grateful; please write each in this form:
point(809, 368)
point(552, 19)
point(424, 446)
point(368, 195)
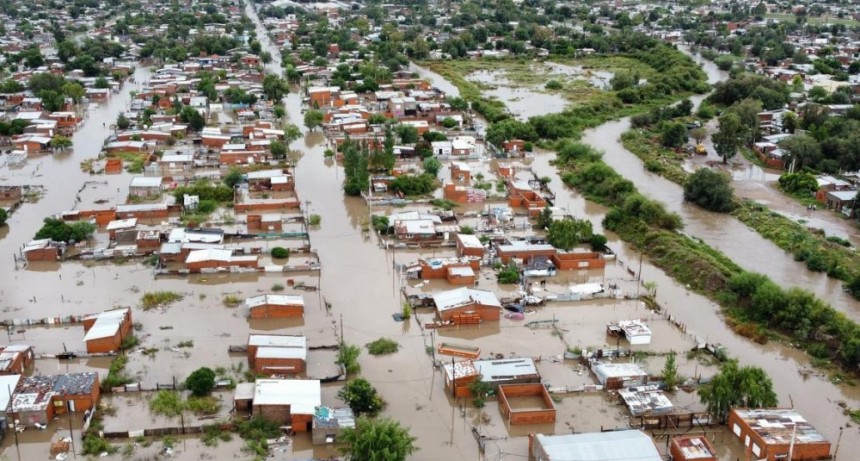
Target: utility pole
point(342, 341)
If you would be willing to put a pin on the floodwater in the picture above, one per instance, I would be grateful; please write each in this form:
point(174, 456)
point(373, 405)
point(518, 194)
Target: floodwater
point(358, 279)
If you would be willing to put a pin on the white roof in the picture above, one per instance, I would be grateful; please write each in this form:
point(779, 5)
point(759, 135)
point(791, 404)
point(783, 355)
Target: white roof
point(299, 342)
point(413, 216)
point(302, 395)
point(417, 227)
point(282, 353)
point(263, 174)
point(470, 241)
point(107, 324)
point(283, 300)
point(37, 245)
point(6, 383)
point(600, 446)
point(457, 297)
point(146, 181)
point(176, 158)
point(843, 195)
point(501, 370)
point(461, 271)
point(122, 224)
point(140, 207)
point(210, 254)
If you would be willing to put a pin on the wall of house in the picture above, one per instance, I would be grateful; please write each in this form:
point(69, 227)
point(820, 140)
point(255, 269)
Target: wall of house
point(574, 261)
point(678, 454)
point(531, 416)
point(104, 345)
point(468, 251)
point(267, 311)
point(460, 280)
point(43, 254)
point(506, 256)
point(801, 451)
point(276, 413)
point(291, 203)
point(279, 366)
point(196, 266)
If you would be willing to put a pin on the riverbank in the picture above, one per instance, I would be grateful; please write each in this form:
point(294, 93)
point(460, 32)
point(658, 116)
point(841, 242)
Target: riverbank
point(806, 244)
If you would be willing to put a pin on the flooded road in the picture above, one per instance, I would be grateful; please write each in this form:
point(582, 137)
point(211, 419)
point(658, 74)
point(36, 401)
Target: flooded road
point(795, 381)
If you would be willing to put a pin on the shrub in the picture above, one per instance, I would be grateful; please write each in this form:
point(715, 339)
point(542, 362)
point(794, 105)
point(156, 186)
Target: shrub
point(280, 253)
point(231, 301)
point(361, 397)
point(347, 356)
point(710, 190)
point(95, 445)
point(159, 299)
point(509, 274)
point(167, 403)
point(314, 220)
point(553, 85)
point(382, 346)
point(201, 381)
point(208, 405)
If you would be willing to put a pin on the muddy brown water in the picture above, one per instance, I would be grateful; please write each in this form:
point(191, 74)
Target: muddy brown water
point(359, 281)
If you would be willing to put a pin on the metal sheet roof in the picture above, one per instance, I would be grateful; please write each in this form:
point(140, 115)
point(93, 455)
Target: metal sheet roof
point(302, 395)
point(599, 446)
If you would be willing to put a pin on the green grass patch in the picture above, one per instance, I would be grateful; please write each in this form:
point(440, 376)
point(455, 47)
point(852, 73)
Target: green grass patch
point(116, 373)
point(155, 299)
point(207, 405)
point(167, 403)
point(382, 346)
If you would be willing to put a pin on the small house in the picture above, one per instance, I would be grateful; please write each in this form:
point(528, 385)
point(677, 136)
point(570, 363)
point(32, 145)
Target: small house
point(594, 446)
point(645, 400)
point(524, 251)
point(287, 401)
point(145, 186)
point(275, 306)
point(469, 245)
point(634, 331)
point(769, 433)
point(838, 199)
point(619, 375)
point(43, 250)
point(38, 399)
point(105, 332)
point(211, 258)
point(692, 448)
point(467, 306)
point(277, 354)
point(15, 359)
point(329, 423)
point(459, 375)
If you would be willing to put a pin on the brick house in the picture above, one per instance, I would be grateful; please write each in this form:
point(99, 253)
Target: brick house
point(38, 399)
point(277, 354)
point(692, 448)
point(105, 332)
point(515, 415)
point(467, 306)
point(287, 401)
point(15, 359)
point(767, 434)
point(459, 375)
point(43, 250)
point(469, 245)
point(275, 306)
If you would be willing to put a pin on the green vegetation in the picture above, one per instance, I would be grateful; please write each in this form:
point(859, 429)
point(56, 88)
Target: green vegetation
point(213, 433)
point(206, 191)
point(129, 342)
point(382, 346)
point(734, 386)
point(231, 301)
point(710, 190)
point(280, 253)
point(59, 231)
point(406, 310)
point(479, 390)
point(155, 299)
point(167, 403)
point(361, 397)
point(508, 275)
point(444, 204)
point(3, 216)
point(201, 382)
point(347, 356)
point(256, 432)
point(95, 445)
point(116, 373)
point(377, 440)
point(670, 373)
point(565, 234)
point(314, 220)
point(414, 185)
point(207, 405)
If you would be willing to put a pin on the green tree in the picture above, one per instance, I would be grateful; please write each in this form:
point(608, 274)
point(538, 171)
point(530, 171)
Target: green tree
point(233, 177)
point(355, 168)
point(361, 397)
point(567, 233)
point(699, 134)
point(278, 149)
point(192, 117)
point(3, 216)
point(408, 134)
point(730, 136)
point(292, 133)
point(60, 231)
point(789, 122)
point(122, 122)
point(73, 90)
point(802, 150)
point(377, 440)
point(275, 87)
point(313, 119)
point(710, 190)
point(61, 142)
point(544, 218)
point(432, 165)
point(388, 158)
point(670, 372)
point(673, 134)
point(734, 386)
point(52, 100)
point(201, 382)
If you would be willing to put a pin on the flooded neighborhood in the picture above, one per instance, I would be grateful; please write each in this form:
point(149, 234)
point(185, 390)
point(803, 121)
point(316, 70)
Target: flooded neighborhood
point(254, 229)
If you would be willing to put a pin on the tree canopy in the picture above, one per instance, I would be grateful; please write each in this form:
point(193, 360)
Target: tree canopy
point(60, 231)
point(710, 190)
point(361, 397)
point(735, 386)
point(377, 440)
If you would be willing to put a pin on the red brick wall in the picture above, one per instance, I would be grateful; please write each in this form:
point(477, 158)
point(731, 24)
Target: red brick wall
point(802, 451)
point(104, 345)
point(485, 313)
point(267, 311)
point(43, 254)
point(573, 261)
point(279, 366)
point(516, 417)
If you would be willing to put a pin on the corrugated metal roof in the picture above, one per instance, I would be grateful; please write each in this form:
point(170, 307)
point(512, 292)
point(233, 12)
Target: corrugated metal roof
point(106, 325)
point(599, 446)
point(302, 395)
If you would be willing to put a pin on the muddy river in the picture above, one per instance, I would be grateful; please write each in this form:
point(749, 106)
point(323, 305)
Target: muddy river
point(358, 279)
